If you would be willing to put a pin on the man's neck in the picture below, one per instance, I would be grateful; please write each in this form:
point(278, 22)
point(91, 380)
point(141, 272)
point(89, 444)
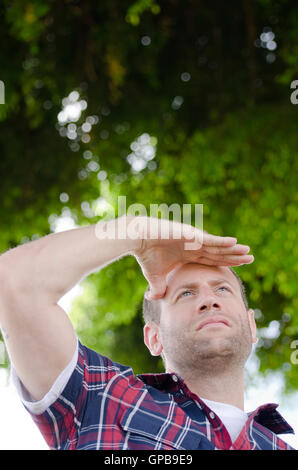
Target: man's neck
point(227, 387)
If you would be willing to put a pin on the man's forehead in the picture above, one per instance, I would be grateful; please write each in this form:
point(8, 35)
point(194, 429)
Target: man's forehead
point(197, 273)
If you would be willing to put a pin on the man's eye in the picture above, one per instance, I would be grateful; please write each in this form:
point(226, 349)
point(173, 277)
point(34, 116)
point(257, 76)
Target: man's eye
point(224, 287)
point(184, 292)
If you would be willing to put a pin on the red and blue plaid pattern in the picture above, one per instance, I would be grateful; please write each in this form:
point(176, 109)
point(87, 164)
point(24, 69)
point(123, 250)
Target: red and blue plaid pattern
point(105, 406)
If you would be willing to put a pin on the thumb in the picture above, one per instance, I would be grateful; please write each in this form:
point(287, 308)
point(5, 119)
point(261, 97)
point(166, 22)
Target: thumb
point(158, 288)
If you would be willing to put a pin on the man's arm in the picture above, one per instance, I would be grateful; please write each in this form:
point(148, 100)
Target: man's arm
point(39, 336)
point(38, 333)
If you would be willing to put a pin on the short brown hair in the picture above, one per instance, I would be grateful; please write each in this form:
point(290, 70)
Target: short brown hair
point(152, 308)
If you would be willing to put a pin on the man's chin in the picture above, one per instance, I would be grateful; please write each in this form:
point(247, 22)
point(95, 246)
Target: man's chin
point(216, 347)
point(215, 351)
point(218, 354)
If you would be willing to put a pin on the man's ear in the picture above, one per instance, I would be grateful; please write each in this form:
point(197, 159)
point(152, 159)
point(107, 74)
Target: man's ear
point(253, 327)
point(152, 338)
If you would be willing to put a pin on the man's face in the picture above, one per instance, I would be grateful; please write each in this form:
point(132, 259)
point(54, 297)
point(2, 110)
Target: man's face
point(203, 322)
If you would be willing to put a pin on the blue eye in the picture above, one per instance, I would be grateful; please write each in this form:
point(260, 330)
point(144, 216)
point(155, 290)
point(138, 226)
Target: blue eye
point(224, 287)
point(185, 292)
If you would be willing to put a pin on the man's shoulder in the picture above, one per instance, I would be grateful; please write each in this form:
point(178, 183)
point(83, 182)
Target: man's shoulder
point(97, 366)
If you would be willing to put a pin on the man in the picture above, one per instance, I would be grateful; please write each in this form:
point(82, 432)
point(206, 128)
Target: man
point(196, 318)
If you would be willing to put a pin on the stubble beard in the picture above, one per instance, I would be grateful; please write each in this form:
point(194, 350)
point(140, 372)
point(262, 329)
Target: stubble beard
point(191, 355)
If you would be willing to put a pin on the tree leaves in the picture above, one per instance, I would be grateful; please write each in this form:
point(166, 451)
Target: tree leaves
point(223, 125)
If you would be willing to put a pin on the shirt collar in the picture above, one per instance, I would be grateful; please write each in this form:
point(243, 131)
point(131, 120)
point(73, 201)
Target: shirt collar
point(266, 415)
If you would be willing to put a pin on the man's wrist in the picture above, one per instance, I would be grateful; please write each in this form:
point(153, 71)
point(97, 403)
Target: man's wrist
point(126, 230)
point(131, 227)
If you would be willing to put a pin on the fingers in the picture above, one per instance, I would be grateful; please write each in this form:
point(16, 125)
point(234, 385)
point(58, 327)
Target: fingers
point(233, 250)
point(227, 256)
point(232, 260)
point(206, 239)
point(217, 241)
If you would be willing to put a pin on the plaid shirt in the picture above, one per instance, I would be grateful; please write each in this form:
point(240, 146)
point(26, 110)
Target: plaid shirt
point(105, 406)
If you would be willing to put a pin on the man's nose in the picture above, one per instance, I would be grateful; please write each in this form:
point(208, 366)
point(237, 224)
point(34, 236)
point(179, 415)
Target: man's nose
point(208, 302)
point(209, 305)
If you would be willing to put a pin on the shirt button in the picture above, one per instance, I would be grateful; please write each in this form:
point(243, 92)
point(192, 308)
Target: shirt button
point(211, 415)
point(175, 378)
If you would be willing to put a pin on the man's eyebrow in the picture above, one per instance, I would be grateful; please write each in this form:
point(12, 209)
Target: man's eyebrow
point(221, 281)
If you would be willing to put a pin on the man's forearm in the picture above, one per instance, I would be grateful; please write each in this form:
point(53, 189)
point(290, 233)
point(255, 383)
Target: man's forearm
point(52, 265)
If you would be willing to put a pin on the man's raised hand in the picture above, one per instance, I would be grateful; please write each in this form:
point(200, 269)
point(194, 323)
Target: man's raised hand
point(168, 244)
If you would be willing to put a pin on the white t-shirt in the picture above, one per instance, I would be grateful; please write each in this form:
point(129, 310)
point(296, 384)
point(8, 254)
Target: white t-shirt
point(233, 418)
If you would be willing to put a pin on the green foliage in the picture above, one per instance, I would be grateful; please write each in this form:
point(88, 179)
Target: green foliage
point(25, 19)
point(108, 316)
point(134, 11)
point(244, 168)
point(218, 115)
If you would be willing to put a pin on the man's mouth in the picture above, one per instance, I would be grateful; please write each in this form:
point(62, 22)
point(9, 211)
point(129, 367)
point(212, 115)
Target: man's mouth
point(212, 322)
